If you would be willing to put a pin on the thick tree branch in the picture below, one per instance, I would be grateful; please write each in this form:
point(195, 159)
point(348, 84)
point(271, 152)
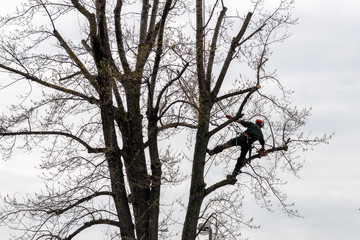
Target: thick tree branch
point(214, 44)
point(58, 133)
point(70, 76)
point(158, 57)
point(230, 180)
point(33, 78)
point(154, 13)
point(252, 34)
point(237, 93)
point(119, 37)
point(103, 52)
point(204, 87)
point(231, 52)
point(143, 22)
point(247, 97)
point(149, 35)
point(239, 114)
point(77, 61)
point(90, 224)
point(84, 11)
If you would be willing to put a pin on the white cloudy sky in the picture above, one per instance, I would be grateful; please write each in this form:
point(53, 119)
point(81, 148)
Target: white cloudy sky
point(321, 62)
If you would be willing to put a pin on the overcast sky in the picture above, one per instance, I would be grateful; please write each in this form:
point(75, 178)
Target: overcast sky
point(321, 63)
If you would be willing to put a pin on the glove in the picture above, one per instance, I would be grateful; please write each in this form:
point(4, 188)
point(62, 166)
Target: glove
point(228, 116)
point(263, 152)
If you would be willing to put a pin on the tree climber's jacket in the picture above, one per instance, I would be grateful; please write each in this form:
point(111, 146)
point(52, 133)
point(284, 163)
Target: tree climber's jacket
point(253, 132)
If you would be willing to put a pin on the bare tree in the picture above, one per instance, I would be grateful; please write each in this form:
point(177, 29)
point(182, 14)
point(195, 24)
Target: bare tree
point(116, 77)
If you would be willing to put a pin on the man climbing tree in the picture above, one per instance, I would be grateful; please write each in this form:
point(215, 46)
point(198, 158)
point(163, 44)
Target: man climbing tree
point(245, 140)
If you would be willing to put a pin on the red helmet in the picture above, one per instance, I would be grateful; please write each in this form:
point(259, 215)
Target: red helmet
point(259, 122)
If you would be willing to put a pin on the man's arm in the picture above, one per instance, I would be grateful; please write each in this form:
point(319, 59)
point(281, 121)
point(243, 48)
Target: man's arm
point(244, 123)
point(262, 142)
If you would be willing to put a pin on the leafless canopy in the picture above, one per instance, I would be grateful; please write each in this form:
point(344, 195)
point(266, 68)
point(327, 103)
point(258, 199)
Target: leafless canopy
point(125, 97)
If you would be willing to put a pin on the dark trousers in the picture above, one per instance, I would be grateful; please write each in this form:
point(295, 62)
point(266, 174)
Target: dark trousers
point(240, 141)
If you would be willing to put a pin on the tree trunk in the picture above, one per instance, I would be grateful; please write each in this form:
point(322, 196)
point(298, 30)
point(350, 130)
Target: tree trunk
point(155, 179)
point(134, 159)
point(197, 188)
point(115, 165)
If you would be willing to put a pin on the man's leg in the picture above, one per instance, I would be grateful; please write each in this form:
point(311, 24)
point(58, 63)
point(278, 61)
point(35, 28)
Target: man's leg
point(232, 142)
point(241, 161)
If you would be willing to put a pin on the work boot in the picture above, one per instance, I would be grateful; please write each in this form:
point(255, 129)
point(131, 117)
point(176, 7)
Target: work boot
point(217, 149)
